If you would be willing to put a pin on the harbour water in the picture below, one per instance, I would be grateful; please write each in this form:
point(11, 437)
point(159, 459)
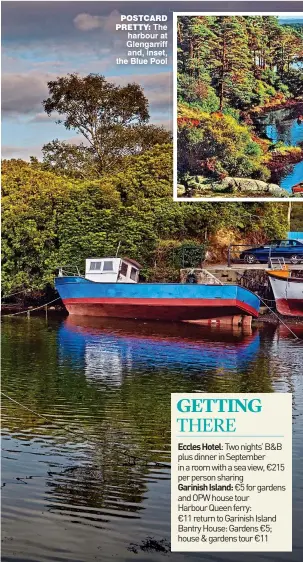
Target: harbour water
point(86, 472)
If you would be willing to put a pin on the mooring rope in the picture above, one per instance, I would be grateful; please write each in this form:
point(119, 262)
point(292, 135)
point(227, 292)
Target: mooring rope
point(43, 416)
point(26, 408)
point(17, 293)
point(32, 309)
point(124, 452)
point(271, 310)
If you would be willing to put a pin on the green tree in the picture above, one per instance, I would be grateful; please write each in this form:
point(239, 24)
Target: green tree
point(231, 61)
point(74, 161)
point(112, 119)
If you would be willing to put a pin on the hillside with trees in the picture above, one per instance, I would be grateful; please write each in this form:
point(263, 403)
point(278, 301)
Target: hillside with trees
point(230, 68)
point(49, 220)
point(83, 200)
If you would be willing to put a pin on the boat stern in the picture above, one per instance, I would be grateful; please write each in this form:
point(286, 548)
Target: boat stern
point(248, 302)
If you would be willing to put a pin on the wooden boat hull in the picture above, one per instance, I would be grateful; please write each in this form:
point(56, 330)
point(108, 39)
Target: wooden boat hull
point(288, 293)
point(155, 301)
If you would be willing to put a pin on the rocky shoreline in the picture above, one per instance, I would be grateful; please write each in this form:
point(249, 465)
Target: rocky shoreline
point(259, 110)
point(280, 160)
point(199, 186)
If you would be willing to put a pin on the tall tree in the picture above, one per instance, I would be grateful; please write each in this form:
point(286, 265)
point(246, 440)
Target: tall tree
point(231, 60)
point(112, 119)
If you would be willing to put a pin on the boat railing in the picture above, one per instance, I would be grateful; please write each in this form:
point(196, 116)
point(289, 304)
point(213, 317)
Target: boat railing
point(278, 263)
point(69, 271)
point(214, 280)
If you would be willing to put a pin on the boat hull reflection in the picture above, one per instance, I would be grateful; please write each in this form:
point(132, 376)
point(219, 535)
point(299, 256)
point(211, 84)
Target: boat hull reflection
point(107, 349)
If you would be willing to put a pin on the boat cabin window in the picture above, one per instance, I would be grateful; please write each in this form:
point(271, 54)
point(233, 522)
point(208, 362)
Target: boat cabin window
point(133, 274)
point(124, 268)
point(108, 266)
point(95, 266)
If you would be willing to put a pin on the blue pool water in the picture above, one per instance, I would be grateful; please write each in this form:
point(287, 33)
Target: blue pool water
point(282, 125)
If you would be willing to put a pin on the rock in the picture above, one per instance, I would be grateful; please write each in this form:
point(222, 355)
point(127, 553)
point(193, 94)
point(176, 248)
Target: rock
point(180, 189)
point(232, 185)
point(239, 187)
point(192, 183)
point(200, 179)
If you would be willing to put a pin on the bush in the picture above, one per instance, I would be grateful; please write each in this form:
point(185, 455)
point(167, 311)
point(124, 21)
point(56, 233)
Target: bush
point(218, 144)
point(197, 94)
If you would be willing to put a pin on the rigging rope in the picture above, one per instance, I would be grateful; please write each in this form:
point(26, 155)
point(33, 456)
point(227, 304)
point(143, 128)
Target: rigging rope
point(32, 309)
point(271, 310)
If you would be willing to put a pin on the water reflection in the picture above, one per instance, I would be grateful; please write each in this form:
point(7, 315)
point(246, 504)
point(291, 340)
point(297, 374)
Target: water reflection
point(108, 350)
point(284, 125)
point(91, 481)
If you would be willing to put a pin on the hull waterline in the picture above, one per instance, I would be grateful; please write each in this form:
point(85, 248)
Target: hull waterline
point(152, 309)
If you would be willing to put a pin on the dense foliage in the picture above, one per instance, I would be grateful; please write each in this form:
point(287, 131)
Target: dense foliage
point(71, 206)
point(48, 220)
point(228, 65)
point(215, 135)
point(297, 218)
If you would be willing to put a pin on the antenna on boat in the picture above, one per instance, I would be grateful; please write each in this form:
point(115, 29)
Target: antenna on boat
point(118, 248)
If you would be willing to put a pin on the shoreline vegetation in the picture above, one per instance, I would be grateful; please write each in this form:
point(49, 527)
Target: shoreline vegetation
point(231, 71)
point(83, 200)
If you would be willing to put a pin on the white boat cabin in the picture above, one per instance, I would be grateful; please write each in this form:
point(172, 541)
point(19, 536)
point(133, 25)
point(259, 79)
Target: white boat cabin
point(112, 270)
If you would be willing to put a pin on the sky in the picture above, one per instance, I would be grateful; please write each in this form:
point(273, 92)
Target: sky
point(44, 40)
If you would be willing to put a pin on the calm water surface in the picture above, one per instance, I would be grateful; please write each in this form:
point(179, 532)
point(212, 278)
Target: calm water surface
point(92, 481)
point(282, 125)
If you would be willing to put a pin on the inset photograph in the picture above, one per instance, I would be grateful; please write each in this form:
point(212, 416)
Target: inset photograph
point(238, 107)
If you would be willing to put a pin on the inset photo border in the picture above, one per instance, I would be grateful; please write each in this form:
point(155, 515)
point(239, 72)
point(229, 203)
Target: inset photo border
point(238, 106)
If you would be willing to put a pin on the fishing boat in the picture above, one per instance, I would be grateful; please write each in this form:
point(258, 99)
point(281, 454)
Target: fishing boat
point(287, 290)
point(111, 288)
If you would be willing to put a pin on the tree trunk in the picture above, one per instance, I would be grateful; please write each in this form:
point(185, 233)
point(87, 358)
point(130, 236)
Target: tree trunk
point(222, 75)
point(289, 215)
point(191, 54)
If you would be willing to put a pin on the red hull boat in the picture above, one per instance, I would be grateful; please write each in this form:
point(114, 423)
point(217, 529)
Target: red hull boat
point(298, 188)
